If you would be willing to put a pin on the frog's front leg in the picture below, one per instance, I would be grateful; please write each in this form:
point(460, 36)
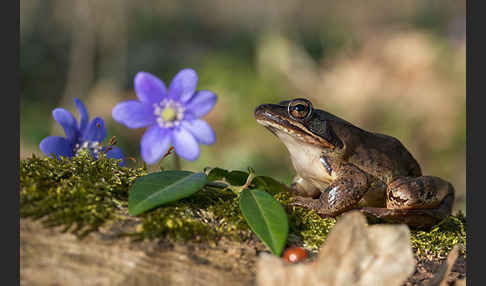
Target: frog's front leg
point(345, 191)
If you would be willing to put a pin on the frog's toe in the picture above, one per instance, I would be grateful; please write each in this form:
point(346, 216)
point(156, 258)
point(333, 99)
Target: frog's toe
point(300, 201)
point(309, 203)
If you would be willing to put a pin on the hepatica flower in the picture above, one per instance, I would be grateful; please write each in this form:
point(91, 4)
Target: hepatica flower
point(172, 115)
point(85, 136)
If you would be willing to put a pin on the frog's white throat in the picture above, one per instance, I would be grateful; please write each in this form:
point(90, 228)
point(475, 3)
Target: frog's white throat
point(305, 157)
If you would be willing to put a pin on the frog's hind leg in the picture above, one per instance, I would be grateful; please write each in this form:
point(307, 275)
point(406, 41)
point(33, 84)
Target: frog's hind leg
point(420, 202)
point(415, 218)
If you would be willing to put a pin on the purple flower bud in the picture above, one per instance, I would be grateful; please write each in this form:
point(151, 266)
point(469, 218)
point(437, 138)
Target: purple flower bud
point(85, 136)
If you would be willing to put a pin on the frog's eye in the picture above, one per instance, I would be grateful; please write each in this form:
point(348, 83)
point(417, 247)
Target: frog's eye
point(300, 108)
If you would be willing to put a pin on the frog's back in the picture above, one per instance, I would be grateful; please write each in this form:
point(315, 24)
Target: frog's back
point(385, 157)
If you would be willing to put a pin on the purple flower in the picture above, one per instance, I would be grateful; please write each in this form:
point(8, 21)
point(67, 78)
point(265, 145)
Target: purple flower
point(85, 136)
point(171, 115)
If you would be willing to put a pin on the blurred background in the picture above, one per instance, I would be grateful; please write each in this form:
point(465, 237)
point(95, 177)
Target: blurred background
point(394, 67)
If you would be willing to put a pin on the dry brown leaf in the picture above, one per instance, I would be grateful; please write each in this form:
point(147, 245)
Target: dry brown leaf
point(353, 254)
point(461, 282)
point(440, 279)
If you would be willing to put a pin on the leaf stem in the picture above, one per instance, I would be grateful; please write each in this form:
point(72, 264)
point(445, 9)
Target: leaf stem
point(250, 178)
point(218, 185)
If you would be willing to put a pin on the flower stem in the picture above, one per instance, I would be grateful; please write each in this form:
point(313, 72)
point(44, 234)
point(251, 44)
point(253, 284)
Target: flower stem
point(177, 162)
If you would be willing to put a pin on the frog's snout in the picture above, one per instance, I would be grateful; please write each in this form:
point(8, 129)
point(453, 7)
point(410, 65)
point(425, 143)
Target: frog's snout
point(260, 110)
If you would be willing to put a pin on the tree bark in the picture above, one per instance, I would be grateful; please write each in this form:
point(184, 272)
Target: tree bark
point(49, 257)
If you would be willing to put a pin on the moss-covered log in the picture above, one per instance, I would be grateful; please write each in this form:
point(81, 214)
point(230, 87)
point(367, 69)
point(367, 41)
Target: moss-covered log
point(75, 229)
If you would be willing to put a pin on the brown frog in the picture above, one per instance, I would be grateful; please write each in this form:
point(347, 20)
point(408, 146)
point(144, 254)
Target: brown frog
point(342, 167)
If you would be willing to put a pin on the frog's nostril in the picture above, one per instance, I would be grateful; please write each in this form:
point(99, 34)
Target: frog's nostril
point(260, 109)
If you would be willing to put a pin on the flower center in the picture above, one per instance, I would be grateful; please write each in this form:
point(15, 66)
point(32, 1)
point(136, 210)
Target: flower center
point(169, 113)
point(93, 147)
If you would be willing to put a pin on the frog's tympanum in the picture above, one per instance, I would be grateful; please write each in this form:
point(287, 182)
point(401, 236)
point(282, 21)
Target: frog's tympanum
point(342, 167)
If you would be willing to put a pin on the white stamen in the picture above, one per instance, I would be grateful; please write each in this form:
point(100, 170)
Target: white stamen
point(94, 147)
point(169, 113)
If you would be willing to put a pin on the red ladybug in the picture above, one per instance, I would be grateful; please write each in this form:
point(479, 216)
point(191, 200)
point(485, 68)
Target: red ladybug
point(294, 254)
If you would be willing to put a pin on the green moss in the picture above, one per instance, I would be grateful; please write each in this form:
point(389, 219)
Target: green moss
point(206, 215)
point(81, 195)
point(309, 227)
point(438, 241)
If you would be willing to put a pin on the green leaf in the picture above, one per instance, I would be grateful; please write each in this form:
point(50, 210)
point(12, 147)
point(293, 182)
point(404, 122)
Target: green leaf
point(237, 178)
point(217, 174)
point(159, 188)
point(234, 178)
point(266, 217)
point(269, 184)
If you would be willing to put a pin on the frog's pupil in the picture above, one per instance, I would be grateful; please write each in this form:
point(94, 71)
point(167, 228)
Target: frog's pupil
point(299, 107)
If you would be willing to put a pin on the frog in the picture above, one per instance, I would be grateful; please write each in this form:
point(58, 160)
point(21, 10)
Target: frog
point(341, 167)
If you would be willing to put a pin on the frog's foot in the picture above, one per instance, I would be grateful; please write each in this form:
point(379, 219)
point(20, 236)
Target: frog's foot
point(310, 203)
point(418, 202)
point(299, 201)
point(414, 218)
point(319, 205)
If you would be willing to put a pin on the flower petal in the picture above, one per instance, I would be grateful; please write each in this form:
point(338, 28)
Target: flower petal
point(95, 131)
point(185, 144)
point(133, 114)
point(149, 88)
point(203, 133)
point(83, 115)
point(154, 144)
point(116, 153)
point(59, 146)
point(68, 122)
point(183, 85)
point(201, 103)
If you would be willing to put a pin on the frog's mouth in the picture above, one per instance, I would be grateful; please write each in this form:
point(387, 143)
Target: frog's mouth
point(279, 125)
